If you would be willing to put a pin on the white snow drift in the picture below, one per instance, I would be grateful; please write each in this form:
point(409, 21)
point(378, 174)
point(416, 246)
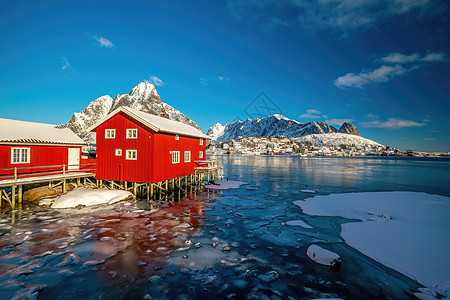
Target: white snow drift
point(225, 185)
point(407, 231)
point(89, 197)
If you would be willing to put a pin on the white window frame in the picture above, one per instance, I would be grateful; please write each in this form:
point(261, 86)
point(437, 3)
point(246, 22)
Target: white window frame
point(200, 154)
point(20, 151)
point(130, 132)
point(129, 153)
point(108, 135)
point(187, 156)
point(175, 157)
point(118, 152)
point(201, 142)
point(177, 137)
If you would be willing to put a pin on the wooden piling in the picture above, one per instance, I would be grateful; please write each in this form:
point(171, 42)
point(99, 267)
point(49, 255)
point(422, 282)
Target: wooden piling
point(20, 194)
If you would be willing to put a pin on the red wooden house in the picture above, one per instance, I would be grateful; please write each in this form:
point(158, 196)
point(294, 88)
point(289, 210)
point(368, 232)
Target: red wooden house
point(135, 146)
point(26, 145)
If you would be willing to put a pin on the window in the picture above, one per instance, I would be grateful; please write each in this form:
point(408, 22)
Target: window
point(20, 155)
point(118, 152)
point(132, 133)
point(187, 156)
point(177, 137)
point(201, 141)
point(110, 133)
point(175, 157)
point(200, 155)
point(131, 155)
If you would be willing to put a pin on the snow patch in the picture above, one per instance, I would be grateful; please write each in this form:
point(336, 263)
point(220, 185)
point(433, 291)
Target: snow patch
point(323, 256)
point(225, 185)
point(88, 197)
point(413, 239)
point(298, 223)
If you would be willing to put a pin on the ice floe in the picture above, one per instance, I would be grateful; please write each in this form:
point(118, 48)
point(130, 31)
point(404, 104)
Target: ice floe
point(225, 185)
point(87, 197)
point(410, 234)
point(323, 256)
point(308, 191)
point(298, 223)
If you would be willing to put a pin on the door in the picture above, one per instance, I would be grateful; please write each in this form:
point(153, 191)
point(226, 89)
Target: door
point(74, 159)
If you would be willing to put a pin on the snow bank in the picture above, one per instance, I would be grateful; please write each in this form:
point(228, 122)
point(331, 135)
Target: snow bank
point(410, 234)
point(225, 185)
point(323, 256)
point(88, 197)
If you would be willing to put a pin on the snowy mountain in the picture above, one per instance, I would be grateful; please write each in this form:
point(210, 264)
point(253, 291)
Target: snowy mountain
point(216, 131)
point(143, 97)
point(275, 125)
point(335, 140)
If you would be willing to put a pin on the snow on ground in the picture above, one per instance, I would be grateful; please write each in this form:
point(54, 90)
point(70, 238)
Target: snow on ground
point(89, 197)
point(335, 140)
point(406, 231)
point(225, 185)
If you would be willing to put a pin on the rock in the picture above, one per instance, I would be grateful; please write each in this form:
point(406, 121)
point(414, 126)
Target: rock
point(348, 129)
point(324, 257)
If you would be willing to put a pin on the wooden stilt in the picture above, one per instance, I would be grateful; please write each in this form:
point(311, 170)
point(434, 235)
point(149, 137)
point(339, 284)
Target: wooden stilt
point(148, 191)
point(20, 194)
point(134, 188)
point(13, 197)
point(151, 190)
point(64, 187)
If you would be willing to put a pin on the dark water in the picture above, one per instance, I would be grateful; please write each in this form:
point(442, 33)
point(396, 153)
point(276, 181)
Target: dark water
point(231, 244)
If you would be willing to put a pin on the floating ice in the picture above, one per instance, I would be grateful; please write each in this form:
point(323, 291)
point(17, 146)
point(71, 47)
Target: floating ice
point(298, 223)
point(89, 197)
point(225, 185)
point(323, 256)
point(412, 242)
point(308, 191)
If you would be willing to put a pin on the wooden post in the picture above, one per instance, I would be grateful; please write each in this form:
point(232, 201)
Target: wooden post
point(125, 183)
point(151, 190)
point(20, 194)
point(64, 186)
point(148, 192)
point(78, 181)
point(167, 185)
point(13, 197)
point(134, 188)
point(15, 174)
point(159, 185)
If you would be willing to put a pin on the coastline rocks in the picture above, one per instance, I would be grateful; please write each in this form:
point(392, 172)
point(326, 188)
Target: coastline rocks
point(324, 257)
point(37, 193)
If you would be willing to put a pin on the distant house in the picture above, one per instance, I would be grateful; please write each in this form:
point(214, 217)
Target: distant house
point(28, 144)
point(135, 146)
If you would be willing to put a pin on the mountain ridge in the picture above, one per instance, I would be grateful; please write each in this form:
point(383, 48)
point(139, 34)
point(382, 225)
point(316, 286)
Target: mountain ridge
point(275, 125)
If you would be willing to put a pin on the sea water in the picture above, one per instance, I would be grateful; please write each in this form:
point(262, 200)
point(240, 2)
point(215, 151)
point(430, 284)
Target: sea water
point(233, 244)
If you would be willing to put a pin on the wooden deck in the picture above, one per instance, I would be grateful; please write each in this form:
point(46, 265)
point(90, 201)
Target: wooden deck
point(44, 178)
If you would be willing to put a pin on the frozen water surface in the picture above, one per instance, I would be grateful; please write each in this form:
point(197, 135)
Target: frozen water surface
point(244, 243)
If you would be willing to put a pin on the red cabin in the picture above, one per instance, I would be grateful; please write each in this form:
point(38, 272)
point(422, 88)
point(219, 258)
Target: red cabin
point(135, 146)
point(28, 145)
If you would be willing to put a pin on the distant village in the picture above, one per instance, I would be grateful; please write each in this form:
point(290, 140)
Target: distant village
point(288, 146)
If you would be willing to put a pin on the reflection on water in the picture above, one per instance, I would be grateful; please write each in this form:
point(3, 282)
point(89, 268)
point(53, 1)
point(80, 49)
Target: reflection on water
point(232, 244)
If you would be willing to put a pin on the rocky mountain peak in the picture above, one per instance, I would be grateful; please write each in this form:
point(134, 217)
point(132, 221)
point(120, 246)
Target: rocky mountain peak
point(143, 97)
point(145, 90)
point(348, 129)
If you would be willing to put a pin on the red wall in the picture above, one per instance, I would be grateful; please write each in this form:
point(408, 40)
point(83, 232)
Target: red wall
point(154, 161)
point(39, 156)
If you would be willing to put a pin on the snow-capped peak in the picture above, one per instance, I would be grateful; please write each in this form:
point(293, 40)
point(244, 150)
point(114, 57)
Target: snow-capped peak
point(216, 131)
point(144, 90)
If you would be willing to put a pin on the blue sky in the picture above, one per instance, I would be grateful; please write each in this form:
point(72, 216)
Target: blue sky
point(383, 65)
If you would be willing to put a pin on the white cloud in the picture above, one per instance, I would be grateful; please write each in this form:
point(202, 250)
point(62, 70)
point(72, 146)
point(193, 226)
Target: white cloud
point(217, 80)
point(414, 58)
point(371, 116)
point(392, 123)
point(338, 122)
point(330, 14)
point(103, 42)
point(394, 64)
point(313, 114)
point(155, 81)
point(381, 74)
point(66, 63)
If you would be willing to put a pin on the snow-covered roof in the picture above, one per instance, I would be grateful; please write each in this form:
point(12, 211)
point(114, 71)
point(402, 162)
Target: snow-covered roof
point(13, 131)
point(156, 123)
